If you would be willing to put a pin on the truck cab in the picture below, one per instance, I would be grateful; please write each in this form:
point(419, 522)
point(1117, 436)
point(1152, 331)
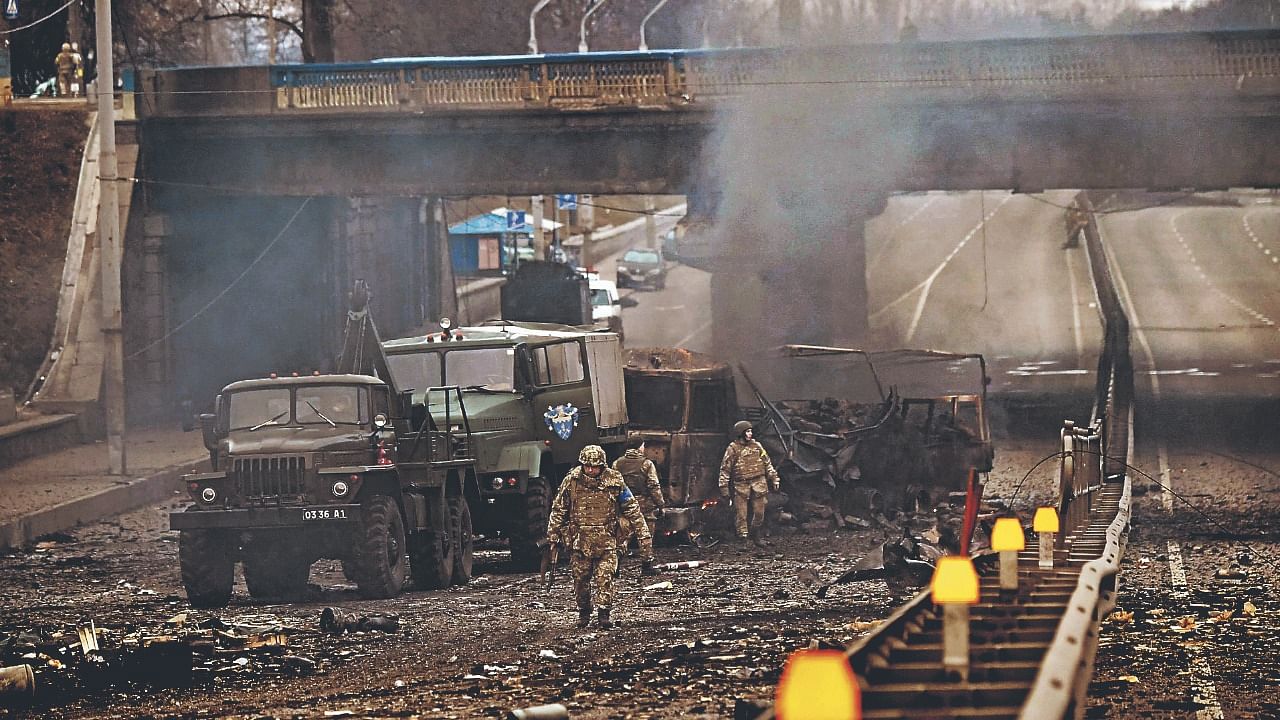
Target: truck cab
point(535, 394)
point(325, 466)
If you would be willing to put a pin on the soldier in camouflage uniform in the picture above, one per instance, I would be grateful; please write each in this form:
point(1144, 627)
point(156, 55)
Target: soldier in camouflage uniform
point(639, 472)
point(746, 465)
point(584, 517)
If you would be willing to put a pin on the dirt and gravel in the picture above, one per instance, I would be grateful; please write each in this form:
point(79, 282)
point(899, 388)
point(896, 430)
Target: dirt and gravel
point(717, 635)
point(39, 168)
point(1207, 646)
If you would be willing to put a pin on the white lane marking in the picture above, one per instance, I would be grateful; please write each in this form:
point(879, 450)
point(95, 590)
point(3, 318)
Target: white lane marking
point(926, 284)
point(893, 234)
point(1177, 573)
point(1075, 310)
point(696, 331)
point(1202, 683)
point(1254, 237)
point(1166, 482)
point(1195, 263)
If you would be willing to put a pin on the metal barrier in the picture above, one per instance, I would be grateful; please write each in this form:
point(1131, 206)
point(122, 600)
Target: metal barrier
point(1234, 64)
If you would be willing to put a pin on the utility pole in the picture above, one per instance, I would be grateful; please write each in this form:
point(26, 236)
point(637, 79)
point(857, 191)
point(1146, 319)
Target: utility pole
point(271, 33)
point(110, 248)
point(539, 239)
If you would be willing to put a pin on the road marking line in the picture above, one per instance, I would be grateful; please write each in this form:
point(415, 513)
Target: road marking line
point(1195, 263)
point(690, 336)
point(1166, 482)
point(894, 232)
point(1177, 572)
point(927, 284)
point(1075, 310)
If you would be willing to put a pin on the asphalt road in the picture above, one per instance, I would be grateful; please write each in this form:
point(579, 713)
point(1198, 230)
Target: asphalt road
point(1201, 285)
point(986, 272)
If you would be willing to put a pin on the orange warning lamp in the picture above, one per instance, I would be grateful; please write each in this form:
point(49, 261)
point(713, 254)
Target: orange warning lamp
point(1007, 536)
point(1046, 520)
point(955, 582)
point(818, 685)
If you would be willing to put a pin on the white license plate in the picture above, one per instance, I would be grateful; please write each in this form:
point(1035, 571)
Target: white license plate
point(336, 514)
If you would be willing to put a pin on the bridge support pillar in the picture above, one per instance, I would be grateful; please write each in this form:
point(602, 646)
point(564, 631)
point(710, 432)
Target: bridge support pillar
point(798, 285)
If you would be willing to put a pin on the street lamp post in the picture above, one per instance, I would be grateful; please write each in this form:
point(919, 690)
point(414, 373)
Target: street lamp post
point(109, 247)
point(582, 27)
point(644, 45)
point(533, 28)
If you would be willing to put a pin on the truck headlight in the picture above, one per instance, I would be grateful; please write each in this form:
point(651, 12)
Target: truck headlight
point(208, 494)
point(496, 483)
point(340, 489)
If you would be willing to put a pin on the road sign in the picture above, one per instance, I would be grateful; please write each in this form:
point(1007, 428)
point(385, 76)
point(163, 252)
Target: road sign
point(515, 219)
point(567, 202)
point(11, 10)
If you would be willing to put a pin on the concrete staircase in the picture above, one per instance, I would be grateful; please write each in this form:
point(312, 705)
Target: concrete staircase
point(66, 392)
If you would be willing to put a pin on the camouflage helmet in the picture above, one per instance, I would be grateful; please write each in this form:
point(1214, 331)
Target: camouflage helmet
point(592, 455)
point(741, 427)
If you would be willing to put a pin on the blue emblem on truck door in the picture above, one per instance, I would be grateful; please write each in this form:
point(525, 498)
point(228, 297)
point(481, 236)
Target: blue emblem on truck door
point(561, 420)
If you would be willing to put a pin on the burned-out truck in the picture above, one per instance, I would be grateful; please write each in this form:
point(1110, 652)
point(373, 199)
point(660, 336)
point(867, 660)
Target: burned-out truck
point(341, 466)
point(536, 394)
point(682, 404)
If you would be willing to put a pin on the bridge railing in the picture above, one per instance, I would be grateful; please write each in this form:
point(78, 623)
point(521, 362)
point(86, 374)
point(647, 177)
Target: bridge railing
point(1184, 65)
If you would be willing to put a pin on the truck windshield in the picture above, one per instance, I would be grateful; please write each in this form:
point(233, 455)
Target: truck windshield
point(490, 368)
point(250, 408)
point(600, 297)
point(655, 402)
point(322, 404)
point(312, 405)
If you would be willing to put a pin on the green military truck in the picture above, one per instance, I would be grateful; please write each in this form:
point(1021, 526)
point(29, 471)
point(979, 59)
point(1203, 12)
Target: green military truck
point(535, 395)
point(339, 466)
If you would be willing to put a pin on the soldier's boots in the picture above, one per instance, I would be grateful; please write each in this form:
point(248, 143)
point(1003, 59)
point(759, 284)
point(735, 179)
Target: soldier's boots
point(584, 617)
point(603, 620)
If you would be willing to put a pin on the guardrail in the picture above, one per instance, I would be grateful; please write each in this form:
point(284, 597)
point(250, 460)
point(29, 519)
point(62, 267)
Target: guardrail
point(1240, 63)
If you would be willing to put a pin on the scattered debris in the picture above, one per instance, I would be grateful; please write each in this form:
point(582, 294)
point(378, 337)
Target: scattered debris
point(337, 621)
point(554, 711)
point(17, 685)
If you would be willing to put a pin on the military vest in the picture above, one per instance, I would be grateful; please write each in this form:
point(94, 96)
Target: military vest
point(632, 469)
point(749, 460)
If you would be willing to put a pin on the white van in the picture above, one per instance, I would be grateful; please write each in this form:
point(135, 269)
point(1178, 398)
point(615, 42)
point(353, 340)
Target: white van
point(606, 306)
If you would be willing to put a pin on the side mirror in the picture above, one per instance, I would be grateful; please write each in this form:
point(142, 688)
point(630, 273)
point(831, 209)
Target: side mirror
point(208, 429)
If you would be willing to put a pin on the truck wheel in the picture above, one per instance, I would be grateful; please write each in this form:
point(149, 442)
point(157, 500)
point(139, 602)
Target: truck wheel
point(381, 549)
point(208, 567)
point(275, 573)
point(431, 555)
point(525, 553)
point(464, 543)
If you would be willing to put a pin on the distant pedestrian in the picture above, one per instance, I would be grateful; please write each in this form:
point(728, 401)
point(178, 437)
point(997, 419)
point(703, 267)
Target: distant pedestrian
point(77, 82)
point(66, 65)
point(585, 517)
point(744, 470)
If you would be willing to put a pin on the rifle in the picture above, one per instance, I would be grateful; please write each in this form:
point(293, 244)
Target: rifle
point(550, 558)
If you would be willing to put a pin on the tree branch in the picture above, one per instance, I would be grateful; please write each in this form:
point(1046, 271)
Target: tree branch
point(257, 16)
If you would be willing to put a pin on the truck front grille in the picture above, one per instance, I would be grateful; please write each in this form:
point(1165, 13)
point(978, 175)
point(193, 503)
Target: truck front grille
point(269, 478)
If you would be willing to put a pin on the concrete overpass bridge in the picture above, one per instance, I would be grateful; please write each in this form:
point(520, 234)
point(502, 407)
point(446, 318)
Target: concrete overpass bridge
point(355, 153)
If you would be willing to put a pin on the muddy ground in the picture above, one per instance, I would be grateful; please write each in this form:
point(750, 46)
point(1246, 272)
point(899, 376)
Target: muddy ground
point(39, 169)
point(720, 633)
point(1195, 649)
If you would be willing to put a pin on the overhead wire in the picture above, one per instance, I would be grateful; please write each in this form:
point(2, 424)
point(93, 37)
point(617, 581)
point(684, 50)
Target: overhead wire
point(20, 28)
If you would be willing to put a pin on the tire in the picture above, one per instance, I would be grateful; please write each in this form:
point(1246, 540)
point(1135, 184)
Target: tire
point(525, 553)
point(273, 572)
point(208, 567)
point(431, 556)
point(463, 541)
point(381, 564)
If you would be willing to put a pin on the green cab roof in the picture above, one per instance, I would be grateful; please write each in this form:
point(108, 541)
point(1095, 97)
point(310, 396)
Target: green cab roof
point(272, 382)
point(493, 334)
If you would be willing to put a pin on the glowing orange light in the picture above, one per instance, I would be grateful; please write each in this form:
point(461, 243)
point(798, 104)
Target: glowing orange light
point(818, 685)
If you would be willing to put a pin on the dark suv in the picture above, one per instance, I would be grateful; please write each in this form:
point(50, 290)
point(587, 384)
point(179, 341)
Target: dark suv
point(642, 266)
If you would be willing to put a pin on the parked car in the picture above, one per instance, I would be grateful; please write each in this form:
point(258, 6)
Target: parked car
point(642, 267)
point(606, 306)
